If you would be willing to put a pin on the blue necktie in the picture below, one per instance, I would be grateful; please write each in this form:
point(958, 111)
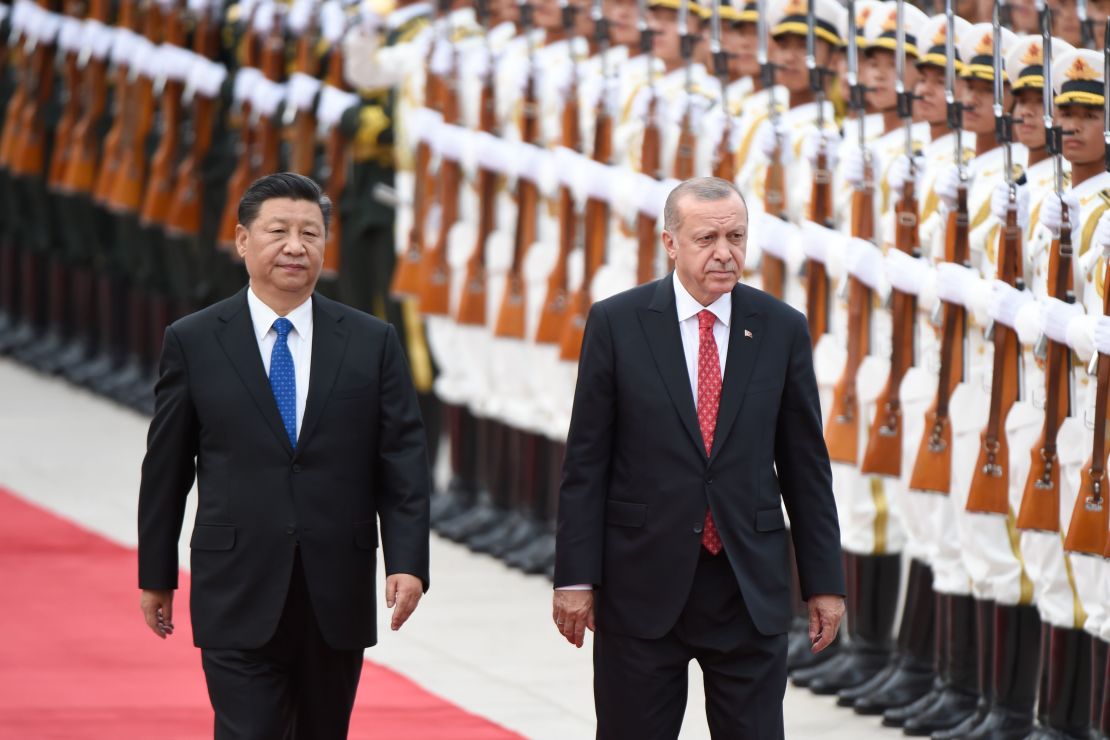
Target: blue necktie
point(283, 379)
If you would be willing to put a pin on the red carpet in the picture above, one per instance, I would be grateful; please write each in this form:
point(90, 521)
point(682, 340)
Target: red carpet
point(77, 662)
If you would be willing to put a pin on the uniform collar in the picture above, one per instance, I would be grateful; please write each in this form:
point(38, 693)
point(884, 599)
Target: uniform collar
point(688, 306)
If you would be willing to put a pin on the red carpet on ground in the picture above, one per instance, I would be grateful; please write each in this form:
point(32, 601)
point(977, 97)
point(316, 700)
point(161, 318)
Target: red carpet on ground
point(77, 662)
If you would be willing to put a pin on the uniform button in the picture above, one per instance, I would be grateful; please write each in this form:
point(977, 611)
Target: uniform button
point(290, 530)
point(697, 529)
point(296, 468)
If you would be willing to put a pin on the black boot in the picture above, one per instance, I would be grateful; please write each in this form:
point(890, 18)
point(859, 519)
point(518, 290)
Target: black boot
point(876, 604)
point(897, 716)
point(462, 446)
point(1069, 683)
point(914, 671)
point(984, 620)
point(1104, 713)
point(805, 674)
point(1016, 657)
point(960, 695)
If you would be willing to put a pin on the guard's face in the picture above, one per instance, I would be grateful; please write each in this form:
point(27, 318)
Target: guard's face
point(929, 102)
point(1083, 135)
point(708, 246)
point(623, 17)
point(978, 99)
point(789, 52)
point(878, 76)
point(667, 44)
point(284, 247)
point(1029, 118)
point(742, 43)
point(547, 14)
point(1065, 21)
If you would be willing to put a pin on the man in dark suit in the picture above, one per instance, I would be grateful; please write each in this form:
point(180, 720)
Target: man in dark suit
point(298, 417)
point(695, 417)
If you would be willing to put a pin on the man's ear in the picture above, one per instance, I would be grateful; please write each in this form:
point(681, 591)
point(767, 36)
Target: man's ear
point(668, 244)
point(241, 234)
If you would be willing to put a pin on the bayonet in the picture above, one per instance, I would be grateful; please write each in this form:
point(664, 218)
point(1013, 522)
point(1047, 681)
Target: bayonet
point(954, 107)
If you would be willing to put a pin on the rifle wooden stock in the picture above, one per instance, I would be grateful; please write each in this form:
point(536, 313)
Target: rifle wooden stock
point(112, 148)
point(511, 316)
point(932, 469)
point(435, 273)
point(184, 214)
point(1040, 500)
point(843, 426)
point(724, 165)
point(81, 161)
point(71, 112)
point(302, 132)
point(13, 111)
point(883, 455)
point(156, 201)
point(772, 268)
point(553, 315)
point(596, 236)
point(472, 302)
point(990, 483)
point(684, 153)
point(29, 145)
point(267, 140)
point(335, 161)
point(240, 178)
point(650, 163)
point(1087, 532)
point(817, 279)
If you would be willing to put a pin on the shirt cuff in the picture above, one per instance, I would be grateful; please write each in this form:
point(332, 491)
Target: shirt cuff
point(576, 587)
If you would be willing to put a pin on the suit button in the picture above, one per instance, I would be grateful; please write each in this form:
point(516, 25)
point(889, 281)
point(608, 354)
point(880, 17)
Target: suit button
point(296, 468)
point(290, 530)
point(709, 481)
point(697, 529)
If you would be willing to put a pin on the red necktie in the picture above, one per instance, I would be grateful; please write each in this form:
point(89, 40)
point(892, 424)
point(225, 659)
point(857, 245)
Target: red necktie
point(709, 398)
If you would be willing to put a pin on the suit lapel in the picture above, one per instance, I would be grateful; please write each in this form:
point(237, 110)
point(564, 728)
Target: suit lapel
point(744, 340)
point(329, 345)
point(236, 337)
point(660, 323)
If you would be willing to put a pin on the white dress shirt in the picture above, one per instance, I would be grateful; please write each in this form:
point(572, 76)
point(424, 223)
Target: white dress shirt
point(688, 324)
point(299, 341)
point(690, 330)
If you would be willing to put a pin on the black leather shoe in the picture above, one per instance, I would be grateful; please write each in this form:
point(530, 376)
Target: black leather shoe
point(897, 717)
point(905, 685)
point(951, 709)
point(849, 696)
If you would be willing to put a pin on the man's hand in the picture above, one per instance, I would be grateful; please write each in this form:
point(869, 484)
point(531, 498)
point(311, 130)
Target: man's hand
point(825, 613)
point(404, 591)
point(573, 612)
point(157, 609)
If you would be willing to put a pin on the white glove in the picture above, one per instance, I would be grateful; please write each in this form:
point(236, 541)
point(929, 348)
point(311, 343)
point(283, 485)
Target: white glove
point(899, 174)
point(1052, 212)
point(1006, 302)
point(1102, 233)
point(1000, 203)
point(813, 142)
point(772, 138)
point(854, 166)
point(1102, 335)
point(947, 186)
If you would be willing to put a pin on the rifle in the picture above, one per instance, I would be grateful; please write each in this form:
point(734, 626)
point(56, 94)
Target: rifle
point(72, 69)
point(267, 138)
point(553, 316)
point(650, 158)
point(990, 483)
point(1086, 28)
point(335, 168)
point(772, 268)
point(406, 275)
point(112, 151)
point(883, 455)
point(725, 162)
point(156, 201)
point(184, 214)
point(241, 177)
point(1087, 532)
point(932, 470)
point(28, 156)
point(510, 318)
point(81, 161)
point(300, 124)
point(20, 44)
point(435, 273)
point(842, 428)
point(597, 210)
point(684, 153)
point(820, 202)
point(1040, 501)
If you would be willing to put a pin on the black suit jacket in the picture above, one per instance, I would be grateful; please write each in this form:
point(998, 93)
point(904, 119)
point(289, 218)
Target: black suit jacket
point(360, 455)
point(636, 481)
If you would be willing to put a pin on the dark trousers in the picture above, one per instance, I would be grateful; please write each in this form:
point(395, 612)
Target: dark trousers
point(640, 685)
point(295, 687)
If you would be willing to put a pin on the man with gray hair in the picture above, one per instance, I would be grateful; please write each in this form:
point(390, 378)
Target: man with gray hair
point(695, 418)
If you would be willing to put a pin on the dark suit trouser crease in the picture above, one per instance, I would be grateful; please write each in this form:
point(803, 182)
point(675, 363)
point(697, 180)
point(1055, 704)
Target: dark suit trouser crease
point(640, 685)
point(295, 687)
